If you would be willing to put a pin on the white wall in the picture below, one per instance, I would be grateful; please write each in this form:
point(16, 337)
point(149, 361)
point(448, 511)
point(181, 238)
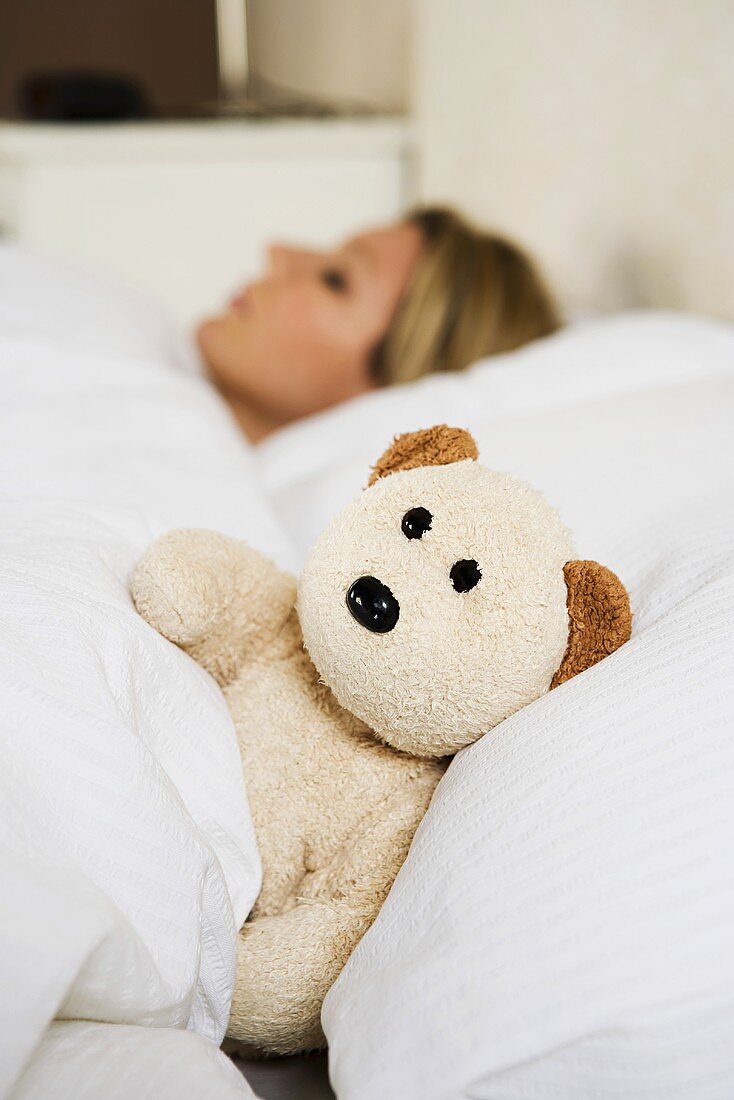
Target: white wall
point(599, 132)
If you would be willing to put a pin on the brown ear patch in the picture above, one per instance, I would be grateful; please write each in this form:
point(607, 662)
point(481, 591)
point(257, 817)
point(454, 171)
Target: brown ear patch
point(599, 616)
point(437, 446)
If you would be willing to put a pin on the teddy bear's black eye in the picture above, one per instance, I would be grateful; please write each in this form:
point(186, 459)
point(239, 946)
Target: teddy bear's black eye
point(465, 575)
point(416, 522)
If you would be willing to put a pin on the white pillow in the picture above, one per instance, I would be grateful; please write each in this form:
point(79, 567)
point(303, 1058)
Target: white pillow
point(596, 399)
point(562, 925)
point(127, 855)
point(42, 299)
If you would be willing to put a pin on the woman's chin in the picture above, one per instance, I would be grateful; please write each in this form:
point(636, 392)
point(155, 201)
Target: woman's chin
point(220, 351)
point(205, 334)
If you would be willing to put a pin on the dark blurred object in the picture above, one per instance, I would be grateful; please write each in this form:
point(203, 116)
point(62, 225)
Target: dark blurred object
point(81, 97)
point(165, 49)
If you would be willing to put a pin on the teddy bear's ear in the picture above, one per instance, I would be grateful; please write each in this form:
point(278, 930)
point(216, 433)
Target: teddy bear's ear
point(599, 617)
point(437, 446)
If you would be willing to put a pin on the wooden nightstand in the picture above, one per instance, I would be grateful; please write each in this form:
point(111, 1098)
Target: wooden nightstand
point(182, 210)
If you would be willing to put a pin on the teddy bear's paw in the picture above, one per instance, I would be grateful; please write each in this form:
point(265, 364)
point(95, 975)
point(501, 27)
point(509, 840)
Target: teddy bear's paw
point(285, 967)
point(175, 587)
point(238, 1048)
point(260, 1037)
point(275, 1009)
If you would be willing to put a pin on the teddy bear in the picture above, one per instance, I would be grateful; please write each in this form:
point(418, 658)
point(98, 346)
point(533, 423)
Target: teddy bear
point(443, 599)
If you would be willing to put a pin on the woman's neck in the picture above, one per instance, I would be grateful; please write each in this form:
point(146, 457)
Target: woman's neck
point(255, 422)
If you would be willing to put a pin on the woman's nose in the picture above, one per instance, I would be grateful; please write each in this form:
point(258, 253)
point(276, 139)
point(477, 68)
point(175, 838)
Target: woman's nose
point(276, 258)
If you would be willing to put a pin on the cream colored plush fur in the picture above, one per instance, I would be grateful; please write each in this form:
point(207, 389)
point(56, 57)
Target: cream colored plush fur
point(344, 741)
point(456, 664)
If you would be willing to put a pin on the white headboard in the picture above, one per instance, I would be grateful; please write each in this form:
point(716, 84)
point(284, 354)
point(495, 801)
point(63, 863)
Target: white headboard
point(600, 133)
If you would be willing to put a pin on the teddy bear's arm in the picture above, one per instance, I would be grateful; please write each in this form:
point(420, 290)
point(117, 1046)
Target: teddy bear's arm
point(213, 596)
point(287, 963)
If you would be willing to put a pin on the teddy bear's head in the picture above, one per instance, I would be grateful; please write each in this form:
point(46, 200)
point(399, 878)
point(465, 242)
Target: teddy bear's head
point(445, 597)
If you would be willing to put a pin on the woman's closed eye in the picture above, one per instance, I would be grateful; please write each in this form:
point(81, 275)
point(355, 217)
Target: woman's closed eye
point(335, 279)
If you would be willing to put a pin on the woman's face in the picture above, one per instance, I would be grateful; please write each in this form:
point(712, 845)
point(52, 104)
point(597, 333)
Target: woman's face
point(300, 338)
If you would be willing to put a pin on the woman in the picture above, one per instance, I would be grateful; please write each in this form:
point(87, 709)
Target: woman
point(430, 293)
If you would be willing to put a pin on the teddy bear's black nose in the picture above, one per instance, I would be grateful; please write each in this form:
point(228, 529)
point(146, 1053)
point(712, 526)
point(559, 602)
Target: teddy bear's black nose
point(373, 605)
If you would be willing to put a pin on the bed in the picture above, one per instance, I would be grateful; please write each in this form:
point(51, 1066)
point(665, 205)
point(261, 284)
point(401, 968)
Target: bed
point(564, 919)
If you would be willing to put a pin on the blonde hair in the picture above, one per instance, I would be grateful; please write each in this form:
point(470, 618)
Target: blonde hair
point(472, 294)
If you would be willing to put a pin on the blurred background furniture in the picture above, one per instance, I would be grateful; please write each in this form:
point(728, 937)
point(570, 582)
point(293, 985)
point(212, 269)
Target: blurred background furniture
point(183, 209)
point(338, 56)
point(166, 143)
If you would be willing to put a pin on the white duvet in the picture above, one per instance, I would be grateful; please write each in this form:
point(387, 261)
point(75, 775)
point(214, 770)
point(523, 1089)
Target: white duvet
point(563, 924)
point(127, 856)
